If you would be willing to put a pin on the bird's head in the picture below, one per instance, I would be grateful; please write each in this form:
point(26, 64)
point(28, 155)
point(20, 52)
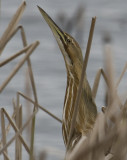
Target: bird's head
point(69, 47)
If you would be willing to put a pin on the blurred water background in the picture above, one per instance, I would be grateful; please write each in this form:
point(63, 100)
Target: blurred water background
point(47, 61)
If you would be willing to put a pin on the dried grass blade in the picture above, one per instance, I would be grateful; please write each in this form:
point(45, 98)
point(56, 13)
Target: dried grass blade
point(29, 65)
point(14, 56)
point(11, 26)
point(18, 133)
point(34, 93)
point(96, 83)
point(3, 132)
point(16, 130)
point(23, 36)
point(121, 76)
point(35, 105)
point(20, 126)
point(110, 75)
point(105, 77)
point(108, 85)
point(28, 108)
point(97, 80)
point(6, 156)
point(17, 139)
point(18, 145)
point(42, 108)
point(8, 127)
point(29, 52)
point(13, 33)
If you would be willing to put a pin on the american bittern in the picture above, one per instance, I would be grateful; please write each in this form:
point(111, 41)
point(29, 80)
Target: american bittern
point(74, 61)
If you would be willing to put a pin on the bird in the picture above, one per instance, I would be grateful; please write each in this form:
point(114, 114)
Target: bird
point(87, 111)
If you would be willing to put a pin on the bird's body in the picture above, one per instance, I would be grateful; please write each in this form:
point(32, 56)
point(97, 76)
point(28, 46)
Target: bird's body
point(87, 109)
point(74, 62)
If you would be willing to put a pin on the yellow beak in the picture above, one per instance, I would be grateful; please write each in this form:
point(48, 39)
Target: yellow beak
point(58, 33)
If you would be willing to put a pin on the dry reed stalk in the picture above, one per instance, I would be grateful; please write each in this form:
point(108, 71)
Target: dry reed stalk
point(34, 93)
point(6, 156)
point(110, 74)
point(97, 80)
point(18, 145)
point(2, 128)
point(14, 56)
point(19, 65)
point(3, 133)
point(121, 76)
point(28, 108)
point(12, 117)
point(81, 80)
point(42, 108)
point(11, 26)
point(96, 83)
point(20, 126)
point(35, 106)
point(113, 97)
point(23, 36)
point(17, 156)
point(15, 30)
point(11, 31)
point(18, 132)
point(8, 34)
point(8, 126)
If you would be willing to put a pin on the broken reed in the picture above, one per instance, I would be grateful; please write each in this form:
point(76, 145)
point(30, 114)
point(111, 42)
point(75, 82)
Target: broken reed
point(103, 136)
point(15, 121)
point(27, 51)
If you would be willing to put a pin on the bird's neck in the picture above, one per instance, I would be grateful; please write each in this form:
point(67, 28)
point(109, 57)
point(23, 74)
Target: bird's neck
point(70, 95)
point(71, 91)
point(69, 102)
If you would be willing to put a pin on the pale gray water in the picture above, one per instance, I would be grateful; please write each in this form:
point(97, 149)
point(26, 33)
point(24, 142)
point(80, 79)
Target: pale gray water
point(47, 61)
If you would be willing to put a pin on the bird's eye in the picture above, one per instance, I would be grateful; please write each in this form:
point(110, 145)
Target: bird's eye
point(68, 40)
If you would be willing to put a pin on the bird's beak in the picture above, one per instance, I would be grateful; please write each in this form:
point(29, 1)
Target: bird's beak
point(58, 33)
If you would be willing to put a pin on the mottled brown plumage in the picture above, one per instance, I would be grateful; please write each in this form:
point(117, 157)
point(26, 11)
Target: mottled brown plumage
point(74, 62)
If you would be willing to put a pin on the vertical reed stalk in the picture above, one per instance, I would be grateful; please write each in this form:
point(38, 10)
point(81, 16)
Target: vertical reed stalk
point(18, 132)
point(11, 26)
point(34, 93)
point(81, 80)
point(3, 133)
